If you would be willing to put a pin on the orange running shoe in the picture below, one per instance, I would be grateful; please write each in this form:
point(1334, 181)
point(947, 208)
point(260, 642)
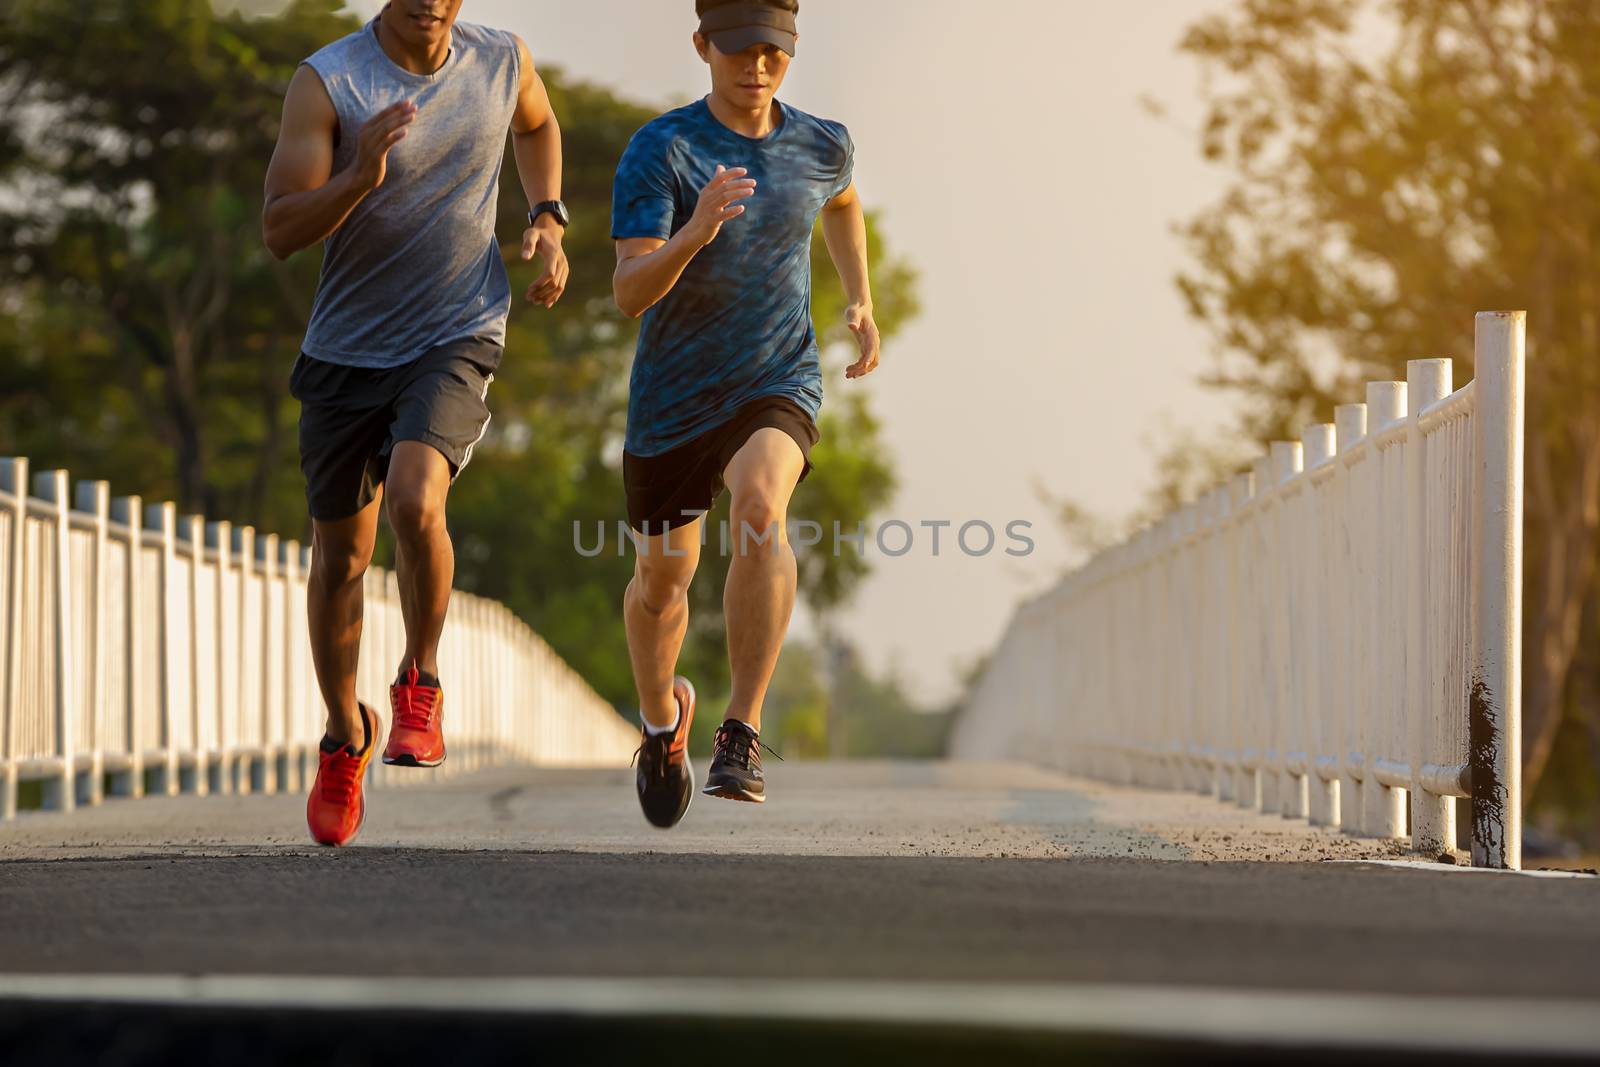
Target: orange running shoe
point(336, 807)
point(416, 734)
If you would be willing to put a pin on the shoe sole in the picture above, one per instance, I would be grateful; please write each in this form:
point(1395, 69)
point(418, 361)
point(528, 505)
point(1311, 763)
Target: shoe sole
point(734, 792)
point(411, 761)
point(688, 764)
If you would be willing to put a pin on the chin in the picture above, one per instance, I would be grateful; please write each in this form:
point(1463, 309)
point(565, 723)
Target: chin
point(411, 33)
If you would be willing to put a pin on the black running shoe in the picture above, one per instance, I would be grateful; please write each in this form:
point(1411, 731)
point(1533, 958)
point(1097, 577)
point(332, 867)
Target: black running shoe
point(736, 765)
point(665, 778)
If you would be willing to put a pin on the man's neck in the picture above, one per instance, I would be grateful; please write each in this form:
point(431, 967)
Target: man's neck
point(424, 61)
point(754, 124)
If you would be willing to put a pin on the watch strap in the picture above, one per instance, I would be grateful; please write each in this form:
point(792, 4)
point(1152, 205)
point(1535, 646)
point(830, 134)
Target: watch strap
point(552, 207)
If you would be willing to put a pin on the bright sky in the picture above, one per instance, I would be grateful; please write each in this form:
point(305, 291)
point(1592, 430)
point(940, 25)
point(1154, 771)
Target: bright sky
point(1007, 149)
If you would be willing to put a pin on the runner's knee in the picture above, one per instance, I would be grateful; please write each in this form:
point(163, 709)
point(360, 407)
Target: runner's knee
point(413, 509)
point(663, 584)
point(339, 561)
point(757, 517)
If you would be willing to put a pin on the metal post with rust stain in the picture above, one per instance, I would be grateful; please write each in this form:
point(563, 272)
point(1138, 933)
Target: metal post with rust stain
point(1495, 723)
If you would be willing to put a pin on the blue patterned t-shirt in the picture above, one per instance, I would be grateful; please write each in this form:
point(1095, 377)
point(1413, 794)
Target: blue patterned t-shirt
point(737, 326)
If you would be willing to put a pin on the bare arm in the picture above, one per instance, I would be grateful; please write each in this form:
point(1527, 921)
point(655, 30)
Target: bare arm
point(648, 267)
point(305, 200)
point(844, 230)
point(536, 147)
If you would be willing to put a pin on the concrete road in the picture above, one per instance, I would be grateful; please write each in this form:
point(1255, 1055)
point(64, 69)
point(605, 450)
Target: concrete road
point(952, 810)
point(989, 877)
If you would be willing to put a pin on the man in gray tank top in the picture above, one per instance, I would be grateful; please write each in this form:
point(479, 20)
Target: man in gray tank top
point(390, 153)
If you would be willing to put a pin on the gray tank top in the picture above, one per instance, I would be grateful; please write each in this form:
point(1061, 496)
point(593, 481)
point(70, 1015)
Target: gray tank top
point(416, 266)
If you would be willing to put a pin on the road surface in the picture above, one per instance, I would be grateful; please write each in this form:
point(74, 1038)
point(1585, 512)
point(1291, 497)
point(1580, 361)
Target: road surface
point(1002, 883)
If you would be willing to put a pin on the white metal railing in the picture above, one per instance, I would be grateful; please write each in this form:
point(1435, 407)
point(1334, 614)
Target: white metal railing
point(140, 649)
point(1328, 636)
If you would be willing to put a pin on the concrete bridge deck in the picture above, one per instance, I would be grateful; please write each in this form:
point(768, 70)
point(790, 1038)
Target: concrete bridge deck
point(976, 876)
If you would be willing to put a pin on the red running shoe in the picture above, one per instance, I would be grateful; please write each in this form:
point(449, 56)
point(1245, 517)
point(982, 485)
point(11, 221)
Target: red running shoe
point(336, 807)
point(416, 734)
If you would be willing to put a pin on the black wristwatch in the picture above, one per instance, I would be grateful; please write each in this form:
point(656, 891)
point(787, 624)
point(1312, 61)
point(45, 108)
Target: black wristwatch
point(554, 207)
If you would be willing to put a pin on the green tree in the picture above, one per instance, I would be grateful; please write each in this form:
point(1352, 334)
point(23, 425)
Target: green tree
point(1398, 166)
point(153, 325)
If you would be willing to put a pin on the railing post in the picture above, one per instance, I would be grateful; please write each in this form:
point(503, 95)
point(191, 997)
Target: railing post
point(1213, 514)
point(1288, 708)
point(289, 772)
point(1385, 812)
point(1224, 754)
point(94, 498)
point(128, 780)
point(14, 481)
point(1433, 818)
point(225, 671)
point(194, 778)
point(249, 774)
point(1322, 794)
point(1192, 754)
point(1350, 427)
point(163, 518)
point(309, 690)
point(1240, 675)
point(1263, 795)
point(60, 792)
point(1495, 722)
point(267, 556)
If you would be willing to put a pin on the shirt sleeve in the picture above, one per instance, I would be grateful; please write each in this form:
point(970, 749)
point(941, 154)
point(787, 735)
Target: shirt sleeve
point(644, 195)
point(847, 170)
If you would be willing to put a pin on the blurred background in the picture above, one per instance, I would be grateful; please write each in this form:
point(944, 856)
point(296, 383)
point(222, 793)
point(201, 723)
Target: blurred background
point(1116, 248)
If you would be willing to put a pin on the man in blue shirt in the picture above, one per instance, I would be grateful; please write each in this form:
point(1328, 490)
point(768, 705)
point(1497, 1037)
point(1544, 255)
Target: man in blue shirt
point(713, 213)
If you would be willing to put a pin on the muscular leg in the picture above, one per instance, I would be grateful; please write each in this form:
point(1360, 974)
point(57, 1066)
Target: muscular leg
point(417, 485)
point(759, 597)
point(655, 611)
point(340, 555)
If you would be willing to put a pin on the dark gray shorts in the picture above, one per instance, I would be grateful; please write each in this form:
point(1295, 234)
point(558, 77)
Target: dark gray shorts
point(352, 417)
point(671, 489)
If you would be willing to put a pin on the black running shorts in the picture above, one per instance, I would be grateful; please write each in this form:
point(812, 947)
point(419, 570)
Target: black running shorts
point(352, 417)
point(672, 489)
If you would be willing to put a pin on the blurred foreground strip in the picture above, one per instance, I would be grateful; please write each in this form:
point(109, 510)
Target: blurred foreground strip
point(272, 1016)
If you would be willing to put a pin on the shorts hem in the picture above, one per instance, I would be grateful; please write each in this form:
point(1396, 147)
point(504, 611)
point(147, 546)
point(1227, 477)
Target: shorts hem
point(452, 452)
point(321, 514)
point(695, 477)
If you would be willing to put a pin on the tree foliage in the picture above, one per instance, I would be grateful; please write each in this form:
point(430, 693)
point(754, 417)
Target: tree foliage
point(1399, 165)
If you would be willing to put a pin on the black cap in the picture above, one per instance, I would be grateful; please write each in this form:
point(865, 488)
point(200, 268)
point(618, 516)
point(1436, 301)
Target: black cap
point(735, 27)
